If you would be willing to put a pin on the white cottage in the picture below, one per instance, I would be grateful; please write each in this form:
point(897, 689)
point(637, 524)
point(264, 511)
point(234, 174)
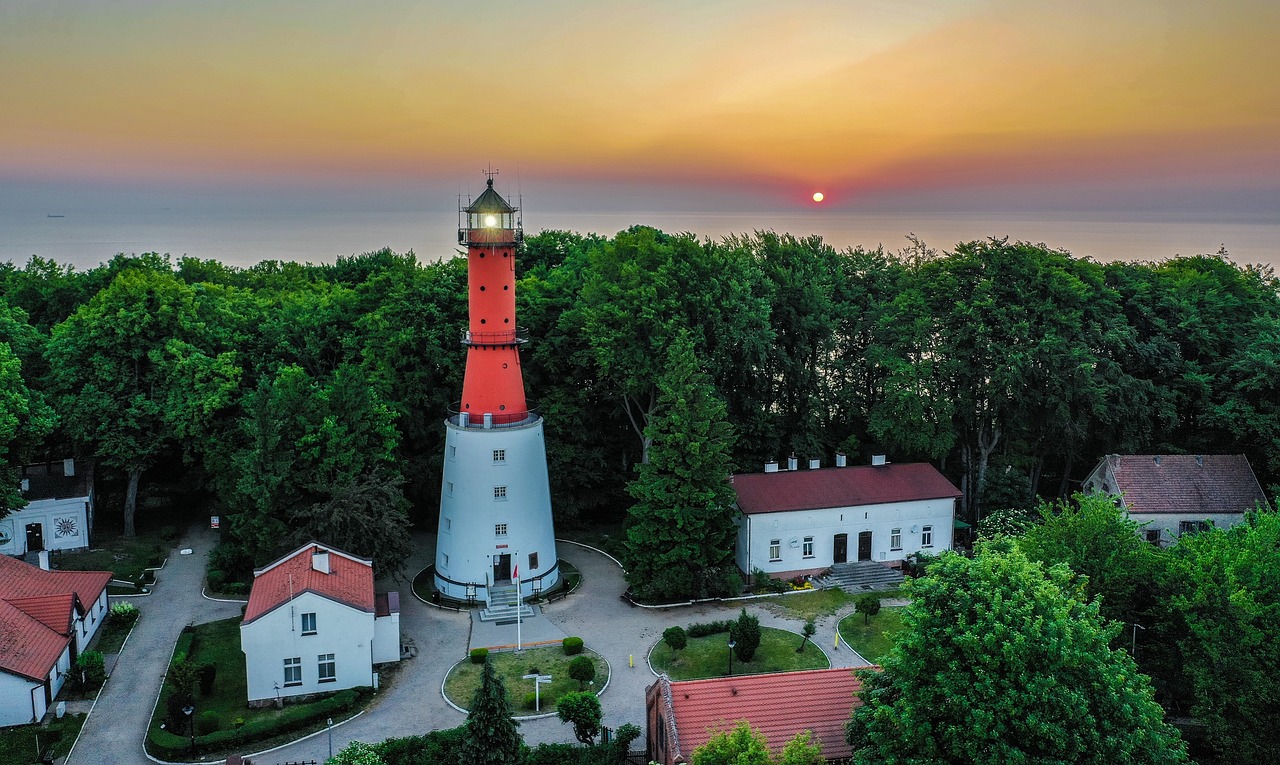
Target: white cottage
point(800, 522)
point(314, 625)
point(1175, 494)
point(59, 509)
point(46, 619)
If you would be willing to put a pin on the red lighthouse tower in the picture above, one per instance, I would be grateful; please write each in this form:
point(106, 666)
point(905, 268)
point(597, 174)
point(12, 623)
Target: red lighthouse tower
point(493, 387)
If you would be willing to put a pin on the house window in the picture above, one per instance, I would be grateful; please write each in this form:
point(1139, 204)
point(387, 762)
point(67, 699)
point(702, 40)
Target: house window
point(926, 536)
point(499, 492)
point(293, 671)
point(775, 550)
point(808, 547)
point(500, 529)
point(499, 455)
point(895, 539)
point(1193, 527)
point(533, 561)
point(308, 624)
point(1153, 536)
point(328, 668)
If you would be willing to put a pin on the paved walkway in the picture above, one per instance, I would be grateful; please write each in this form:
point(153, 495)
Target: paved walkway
point(412, 704)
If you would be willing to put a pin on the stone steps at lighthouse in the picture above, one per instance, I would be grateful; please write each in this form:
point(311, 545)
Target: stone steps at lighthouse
point(504, 604)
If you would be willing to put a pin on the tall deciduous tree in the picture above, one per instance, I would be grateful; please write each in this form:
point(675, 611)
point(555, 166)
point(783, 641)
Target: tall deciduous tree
point(1002, 660)
point(681, 532)
point(25, 420)
point(491, 738)
point(743, 745)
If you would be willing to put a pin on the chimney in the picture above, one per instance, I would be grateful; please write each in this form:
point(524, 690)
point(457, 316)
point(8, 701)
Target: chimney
point(879, 460)
point(1200, 460)
point(69, 467)
point(815, 464)
point(320, 561)
point(793, 463)
point(43, 556)
point(771, 466)
point(840, 459)
point(1157, 460)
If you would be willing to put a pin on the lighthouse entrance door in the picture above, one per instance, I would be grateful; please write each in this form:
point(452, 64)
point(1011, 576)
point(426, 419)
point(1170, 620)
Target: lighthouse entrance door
point(501, 568)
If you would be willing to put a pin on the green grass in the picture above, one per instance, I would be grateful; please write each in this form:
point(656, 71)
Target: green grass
point(872, 641)
point(809, 605)
point(218, 643)
point(18, 745)
point(111, 634)
point(463, 680)
point(125, 557)
point(709, 656)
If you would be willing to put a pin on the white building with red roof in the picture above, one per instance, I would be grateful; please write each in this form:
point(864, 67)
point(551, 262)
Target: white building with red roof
point(1173, 494)
point(314, 625)
point(683, 715)
point(46, 619)
point(799, 522)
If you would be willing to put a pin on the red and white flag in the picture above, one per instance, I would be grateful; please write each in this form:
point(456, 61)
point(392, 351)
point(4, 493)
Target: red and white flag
point(515, 572)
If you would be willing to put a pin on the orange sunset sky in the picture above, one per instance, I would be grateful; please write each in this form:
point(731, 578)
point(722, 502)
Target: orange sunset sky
point(749, 103)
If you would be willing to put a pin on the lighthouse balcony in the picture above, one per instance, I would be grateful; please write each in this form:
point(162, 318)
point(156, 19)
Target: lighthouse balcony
point(490, 236)
point(517, 336)
point(459, 418)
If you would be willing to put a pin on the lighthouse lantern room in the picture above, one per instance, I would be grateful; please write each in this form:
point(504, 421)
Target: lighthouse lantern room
point(496, 531)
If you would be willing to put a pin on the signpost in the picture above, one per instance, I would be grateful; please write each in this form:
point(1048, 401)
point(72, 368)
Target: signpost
point(214, 521)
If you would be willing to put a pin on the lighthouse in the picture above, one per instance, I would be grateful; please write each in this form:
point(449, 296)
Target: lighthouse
point(496, 532)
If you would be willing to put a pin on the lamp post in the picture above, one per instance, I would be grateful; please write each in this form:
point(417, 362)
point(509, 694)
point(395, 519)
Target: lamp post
point(732, 645)
point(1133, 647)
point(329, 722)
point(190, 712)
point(538, 681)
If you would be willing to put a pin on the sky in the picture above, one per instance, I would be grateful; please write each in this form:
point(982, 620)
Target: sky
point(609, 106)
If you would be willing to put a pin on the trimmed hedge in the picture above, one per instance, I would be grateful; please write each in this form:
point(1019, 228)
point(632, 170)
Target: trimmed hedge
point(702, 629)
point(478, 655)
point(572, 646)
point(169, 746)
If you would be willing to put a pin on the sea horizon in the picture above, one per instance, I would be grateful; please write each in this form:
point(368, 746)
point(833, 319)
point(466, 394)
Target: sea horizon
point(243, 238)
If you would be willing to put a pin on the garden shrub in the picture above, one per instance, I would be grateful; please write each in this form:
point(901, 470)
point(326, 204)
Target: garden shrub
point(478, 655)
point(207, 674)
point(91, 670)
point(206, 722)
point(217, 578)
point(582, 669)
point(572, 646)
point(702, 629)
point(169, 533)
point(430, 749)
point(675, 638)
point(235, 588)
point(746, 636)
point(125, 612)
point(344, 700)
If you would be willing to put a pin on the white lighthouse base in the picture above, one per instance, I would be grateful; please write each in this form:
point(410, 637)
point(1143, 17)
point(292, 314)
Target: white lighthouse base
point(495, 512)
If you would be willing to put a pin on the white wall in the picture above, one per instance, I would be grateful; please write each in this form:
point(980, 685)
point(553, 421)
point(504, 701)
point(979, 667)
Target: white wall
point(824, 524)
point(340, 630)
point(1168, 523)
point(87, 626)
point(15, 699)
point(386, 638)
point(65, 524)
point(467, 542)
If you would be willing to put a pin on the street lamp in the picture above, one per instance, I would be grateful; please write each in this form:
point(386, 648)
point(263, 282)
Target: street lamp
point(190, 712)
point(329, 722)
point(538, 681)
point(732, 644)
point(1133, 647)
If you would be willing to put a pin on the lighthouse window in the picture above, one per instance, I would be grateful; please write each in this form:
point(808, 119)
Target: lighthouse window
point(505, 287)
point(448, 524)
point(482, 288)
point(533, 561)
point(499, 492)
point(499, 455)
point(500, 529)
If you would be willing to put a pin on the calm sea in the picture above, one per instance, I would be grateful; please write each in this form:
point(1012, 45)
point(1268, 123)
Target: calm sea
point(85, 239)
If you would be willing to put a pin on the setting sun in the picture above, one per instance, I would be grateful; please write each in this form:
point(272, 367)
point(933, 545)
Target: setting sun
point(817, 196)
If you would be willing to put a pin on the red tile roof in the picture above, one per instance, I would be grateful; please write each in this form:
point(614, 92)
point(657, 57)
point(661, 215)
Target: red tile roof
point(1186, 483)
point(349, 581)
point(778, 704)
point(27, 647)
point(840, 487)
point(36, 608)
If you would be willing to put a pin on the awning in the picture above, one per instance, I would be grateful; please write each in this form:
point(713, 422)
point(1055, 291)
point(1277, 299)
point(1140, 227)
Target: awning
point(959, 524)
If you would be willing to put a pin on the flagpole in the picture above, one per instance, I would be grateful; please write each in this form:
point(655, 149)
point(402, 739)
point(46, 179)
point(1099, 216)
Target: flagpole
point(519, 601)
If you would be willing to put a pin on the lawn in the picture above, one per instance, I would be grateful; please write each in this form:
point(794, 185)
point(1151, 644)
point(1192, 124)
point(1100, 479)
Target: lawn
point(709, 656)
point(125, 557)
point(872, 641)
point(463, 680)
point(218, 643)
point(18, 745)
point(808, 605)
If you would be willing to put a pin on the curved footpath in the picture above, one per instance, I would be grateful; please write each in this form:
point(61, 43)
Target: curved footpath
point(413, 704)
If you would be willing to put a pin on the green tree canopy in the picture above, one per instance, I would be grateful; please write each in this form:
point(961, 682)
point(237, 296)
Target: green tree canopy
point(1002, 660)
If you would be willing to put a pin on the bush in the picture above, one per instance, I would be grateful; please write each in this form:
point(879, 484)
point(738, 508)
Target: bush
point(702, 629)
point(155, 557)
point(91, 671)
point(582, 669)
point(746, 636)
point(572, 646)
point(206, 722)
point(183, 648)
point(207, 674)
point(531, 700)
point(762, 582)
point(478, 655)
point(169, 533)
point(675, 638)
point(235, 588)
point(217, 578)
point(125, 612)
point(435, 747)
point(345, 700)
point(868, 605)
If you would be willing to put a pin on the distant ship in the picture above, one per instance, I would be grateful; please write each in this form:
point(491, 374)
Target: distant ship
point(55, 216)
